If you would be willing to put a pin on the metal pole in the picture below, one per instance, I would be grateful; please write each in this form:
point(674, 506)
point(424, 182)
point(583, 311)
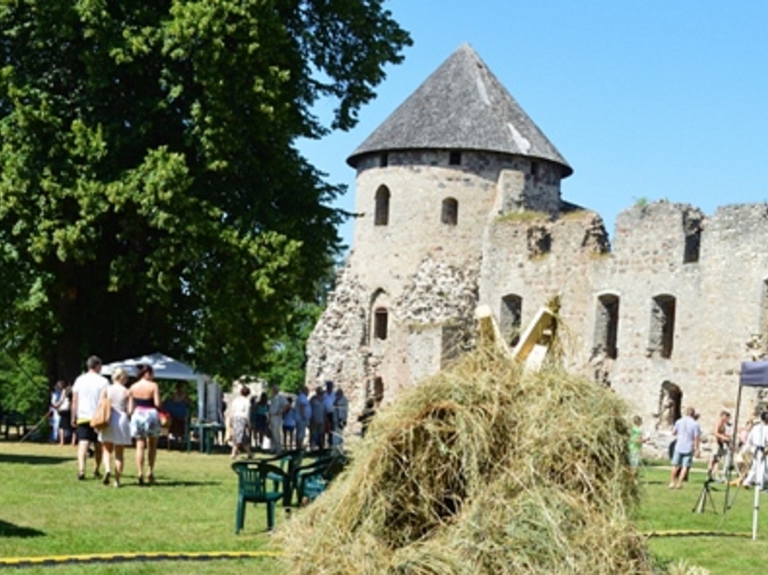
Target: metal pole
point(759, 457)
point(734, 444)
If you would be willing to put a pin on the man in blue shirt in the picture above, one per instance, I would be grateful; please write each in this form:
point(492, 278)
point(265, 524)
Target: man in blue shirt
point(688, 435)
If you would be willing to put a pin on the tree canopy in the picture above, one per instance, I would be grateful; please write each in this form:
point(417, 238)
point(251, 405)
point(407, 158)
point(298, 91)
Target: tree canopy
point(151, 193)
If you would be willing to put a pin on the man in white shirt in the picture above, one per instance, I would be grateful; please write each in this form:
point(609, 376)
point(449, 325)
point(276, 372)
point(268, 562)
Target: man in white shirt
point(277, 406)
point(85, 398)
point(757, 440)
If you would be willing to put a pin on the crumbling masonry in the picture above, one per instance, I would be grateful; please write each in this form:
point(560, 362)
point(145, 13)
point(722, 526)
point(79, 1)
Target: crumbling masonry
point(458, 193)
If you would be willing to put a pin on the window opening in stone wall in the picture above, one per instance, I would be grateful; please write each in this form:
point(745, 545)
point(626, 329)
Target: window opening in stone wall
point(381, 217)
point(535, 169)
point(450, 212)
point(380, 319)
point(451, 340)
point(692, 229)
point(539, 241)
point(760, 342)
point(510, 318)
point(662, 326)
point(670, 405)
point(454, 158)
point(384, 160)
point(607, 325)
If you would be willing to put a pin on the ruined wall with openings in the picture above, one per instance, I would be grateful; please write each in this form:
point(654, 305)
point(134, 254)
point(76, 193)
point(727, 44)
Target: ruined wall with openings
point(664, 315)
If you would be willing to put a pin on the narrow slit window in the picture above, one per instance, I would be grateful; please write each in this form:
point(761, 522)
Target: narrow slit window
point(607, 325)
point(381, 217)
point(450, 212)
point(662, 336)
point(510, 318)
point(380, 320)
point(384, 160)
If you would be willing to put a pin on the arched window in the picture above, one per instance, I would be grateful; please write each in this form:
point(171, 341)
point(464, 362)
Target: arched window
point(607, 325)
point(662, 333)
point(510, 318)
point(381, 217)
point(450, 212)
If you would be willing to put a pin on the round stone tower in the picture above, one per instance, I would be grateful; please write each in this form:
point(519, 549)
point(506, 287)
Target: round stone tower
point(456, 154)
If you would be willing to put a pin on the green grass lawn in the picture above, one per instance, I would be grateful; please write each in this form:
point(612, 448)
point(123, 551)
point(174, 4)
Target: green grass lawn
point(45, 511)
point(666, 510)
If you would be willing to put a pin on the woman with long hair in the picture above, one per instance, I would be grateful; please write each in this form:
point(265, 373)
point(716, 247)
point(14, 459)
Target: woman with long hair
point(143, 403)
point(117, 434)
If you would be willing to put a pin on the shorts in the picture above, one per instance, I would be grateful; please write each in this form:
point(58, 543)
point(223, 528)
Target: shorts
point(634, 458)
point(145, 423)
point(86, 433)
point(682, 459)
point(722, 451)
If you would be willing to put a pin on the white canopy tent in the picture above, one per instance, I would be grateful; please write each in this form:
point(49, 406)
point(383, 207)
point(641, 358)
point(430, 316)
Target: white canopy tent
point(753, 374)
point(165, 367)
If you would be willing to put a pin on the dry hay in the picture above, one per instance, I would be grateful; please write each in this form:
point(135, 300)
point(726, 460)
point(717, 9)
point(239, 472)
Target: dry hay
point(481, 469)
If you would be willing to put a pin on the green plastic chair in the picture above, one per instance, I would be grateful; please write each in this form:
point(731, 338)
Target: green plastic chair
point(253, 478)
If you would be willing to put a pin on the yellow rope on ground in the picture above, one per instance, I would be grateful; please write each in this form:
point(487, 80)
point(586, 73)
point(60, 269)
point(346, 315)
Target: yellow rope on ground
point(53, 560)
point(651, 534)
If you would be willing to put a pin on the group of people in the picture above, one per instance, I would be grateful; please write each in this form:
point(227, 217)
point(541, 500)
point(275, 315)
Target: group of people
point(133, 417)
point(745, 456)
point(306, 422)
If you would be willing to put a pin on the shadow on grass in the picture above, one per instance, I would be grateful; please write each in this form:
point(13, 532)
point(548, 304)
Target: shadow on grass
point(33, 459)
point(11, 530)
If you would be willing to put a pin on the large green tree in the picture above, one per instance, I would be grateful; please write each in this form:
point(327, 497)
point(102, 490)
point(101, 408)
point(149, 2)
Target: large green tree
point(151, 193)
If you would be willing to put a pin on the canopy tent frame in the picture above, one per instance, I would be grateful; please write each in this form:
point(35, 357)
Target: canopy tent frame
point(753, 374)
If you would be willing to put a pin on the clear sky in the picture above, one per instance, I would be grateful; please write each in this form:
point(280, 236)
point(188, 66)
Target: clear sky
point(651, 99)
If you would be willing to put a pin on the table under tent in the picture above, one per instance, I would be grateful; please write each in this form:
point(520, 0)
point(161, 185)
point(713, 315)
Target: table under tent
point(209, 420)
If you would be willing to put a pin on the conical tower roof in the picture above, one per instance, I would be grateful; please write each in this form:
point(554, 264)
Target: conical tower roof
point(461, 106)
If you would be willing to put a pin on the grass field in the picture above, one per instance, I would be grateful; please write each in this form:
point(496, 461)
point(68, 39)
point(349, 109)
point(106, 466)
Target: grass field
point(45, 511)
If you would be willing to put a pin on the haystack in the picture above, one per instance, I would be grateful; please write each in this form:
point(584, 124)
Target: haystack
point(480, 469)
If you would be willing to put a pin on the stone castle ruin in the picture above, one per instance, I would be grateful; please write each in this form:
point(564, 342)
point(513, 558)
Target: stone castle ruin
point(459, 203)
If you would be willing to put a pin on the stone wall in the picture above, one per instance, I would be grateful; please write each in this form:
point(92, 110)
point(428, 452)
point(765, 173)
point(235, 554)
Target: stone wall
point(689, 292)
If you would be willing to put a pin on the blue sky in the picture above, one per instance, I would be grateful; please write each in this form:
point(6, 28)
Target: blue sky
point(645, 99)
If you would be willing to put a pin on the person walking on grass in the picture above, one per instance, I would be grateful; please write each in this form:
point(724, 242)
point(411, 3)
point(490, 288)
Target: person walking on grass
point(688, 434)
point(117, 434)
point(241, 422)
point(723, 440)
point(143, 403)
point(85, 398)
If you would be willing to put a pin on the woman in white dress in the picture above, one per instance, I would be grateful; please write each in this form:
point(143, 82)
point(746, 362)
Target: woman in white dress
point(117, 435)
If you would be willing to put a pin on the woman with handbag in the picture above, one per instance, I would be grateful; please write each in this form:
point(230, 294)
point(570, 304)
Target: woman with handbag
point(117, 434)
point(143, 403)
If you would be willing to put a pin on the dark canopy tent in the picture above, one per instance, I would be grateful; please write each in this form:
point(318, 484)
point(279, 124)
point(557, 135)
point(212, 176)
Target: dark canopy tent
point(753, 374)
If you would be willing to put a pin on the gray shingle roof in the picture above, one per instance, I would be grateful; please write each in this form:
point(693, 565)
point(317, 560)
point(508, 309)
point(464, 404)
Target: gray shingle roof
point(461, 106)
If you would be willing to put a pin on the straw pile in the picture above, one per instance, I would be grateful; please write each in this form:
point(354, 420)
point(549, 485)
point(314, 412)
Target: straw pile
point(480, 469)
